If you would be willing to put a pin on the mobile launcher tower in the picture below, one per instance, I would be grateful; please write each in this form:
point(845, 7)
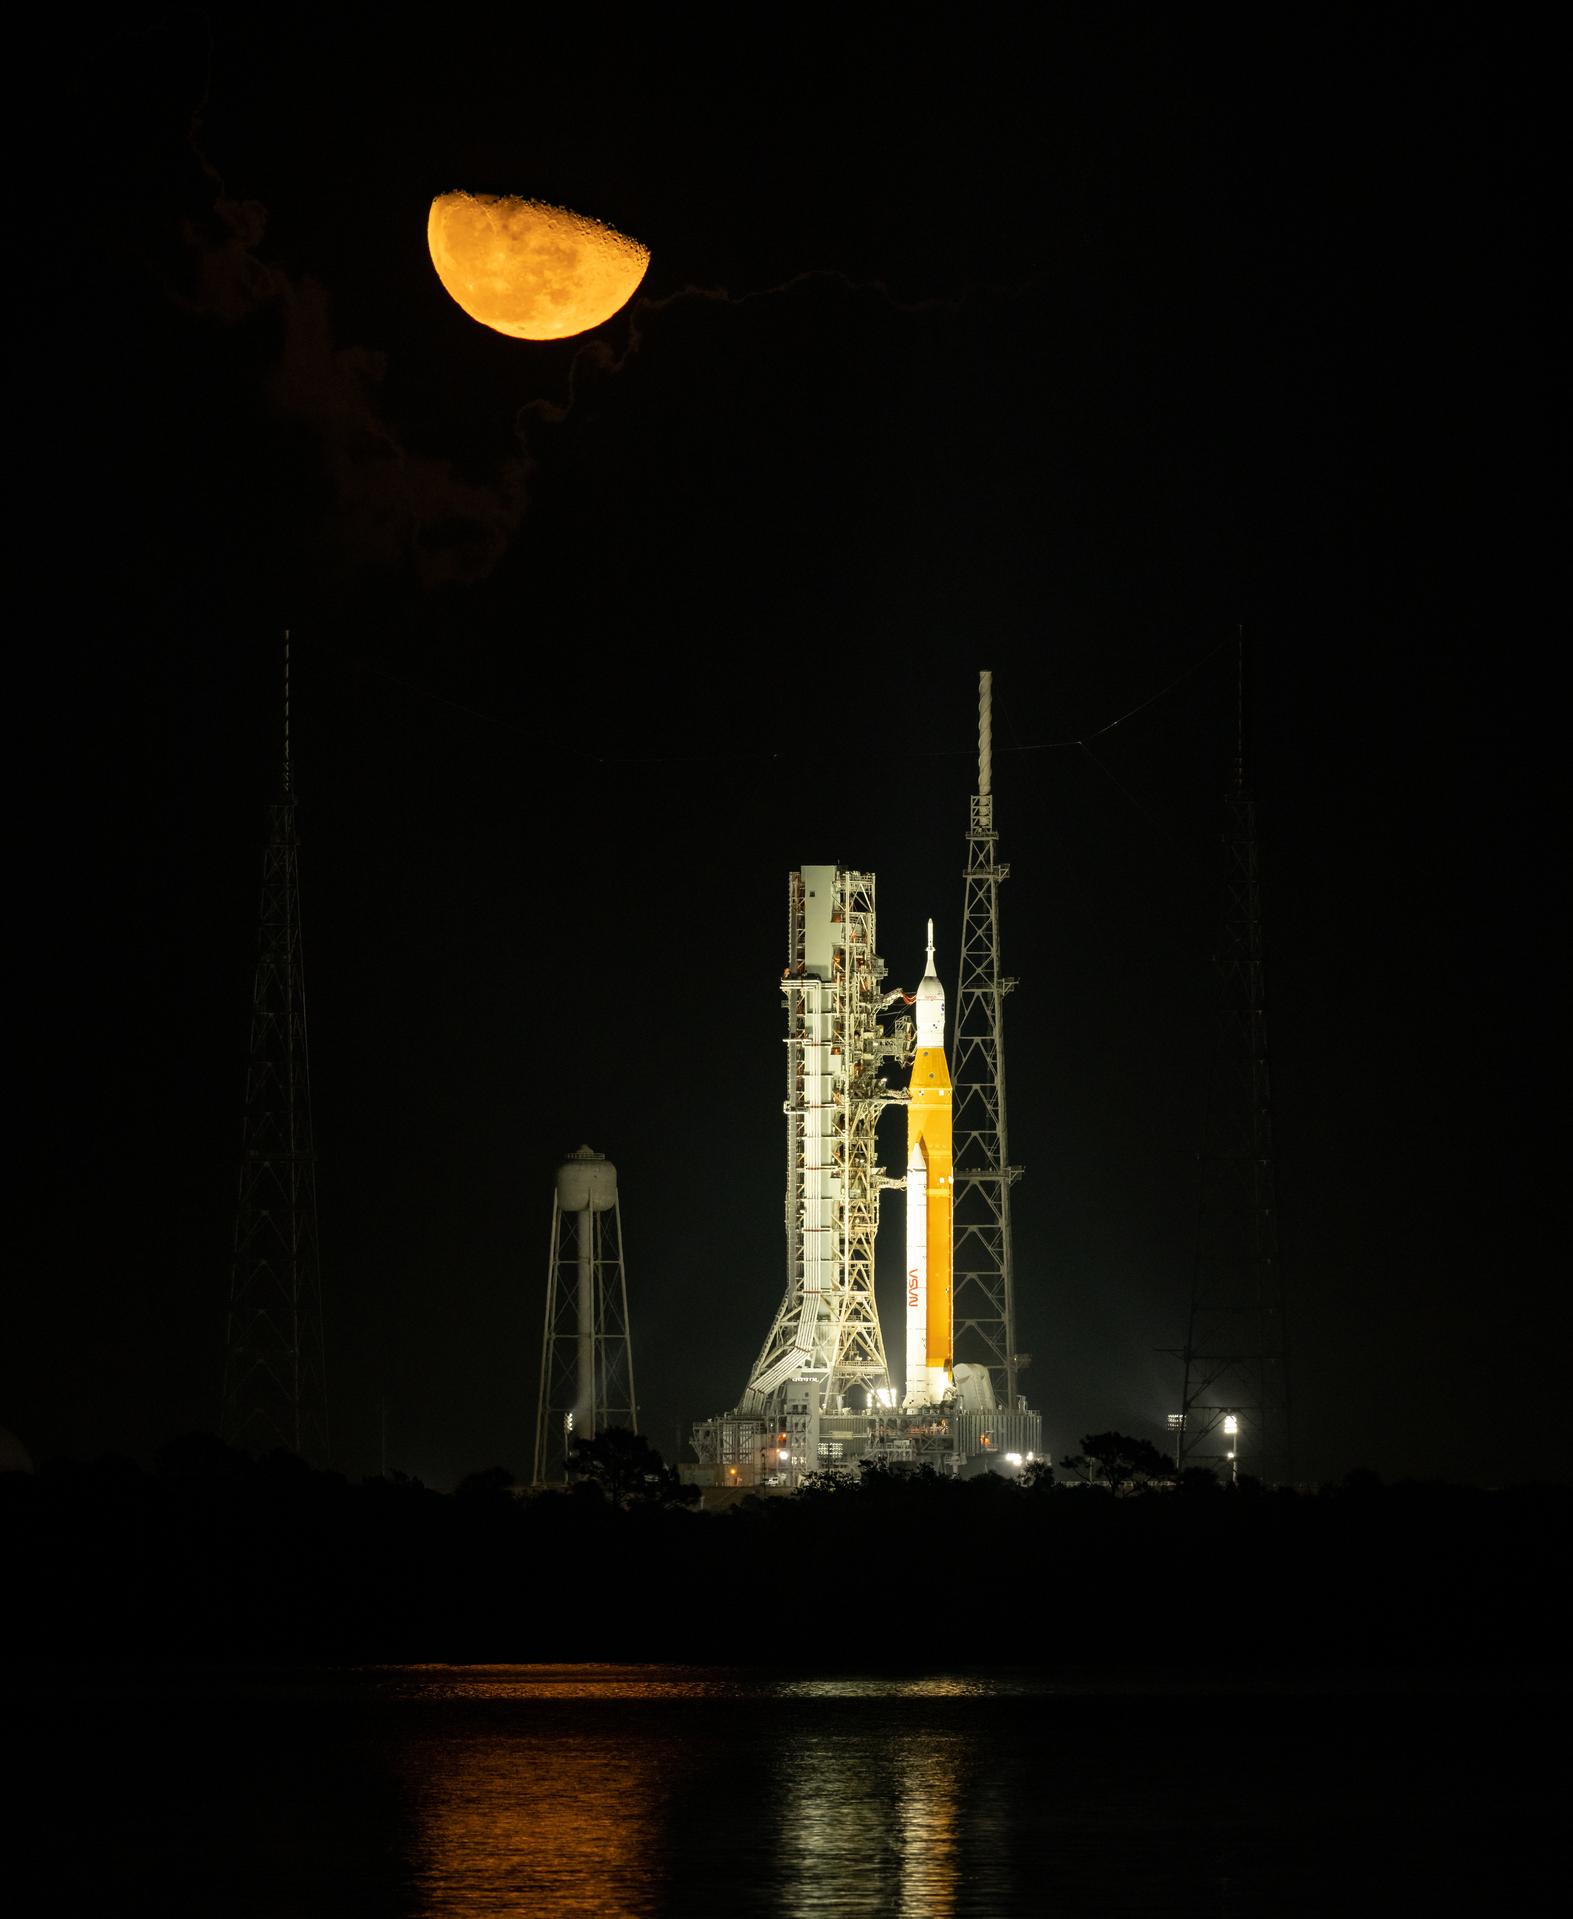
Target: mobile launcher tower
point(820, 1394)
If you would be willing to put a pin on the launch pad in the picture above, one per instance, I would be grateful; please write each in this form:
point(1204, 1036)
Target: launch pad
point(736, 1449)
point(820, 1395)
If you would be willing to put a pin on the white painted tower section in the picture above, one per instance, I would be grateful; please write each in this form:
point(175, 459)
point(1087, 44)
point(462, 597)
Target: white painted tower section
point(585, 1187)
point(825, 1340)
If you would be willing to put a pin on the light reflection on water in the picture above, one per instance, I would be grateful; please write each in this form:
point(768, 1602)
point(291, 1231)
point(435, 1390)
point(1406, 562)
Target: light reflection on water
point(882, 1686)
point(539, 1824)
point(867, 1831)
point(571, 1815)
point(621, 1792)
point(655, 1683)
point(548, 1682)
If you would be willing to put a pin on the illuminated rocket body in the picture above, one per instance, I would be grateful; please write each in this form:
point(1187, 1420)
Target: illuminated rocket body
point(929, 1227)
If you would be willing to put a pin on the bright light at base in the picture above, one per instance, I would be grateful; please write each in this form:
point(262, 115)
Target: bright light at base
point(785, 1455)
point(1013, 1459)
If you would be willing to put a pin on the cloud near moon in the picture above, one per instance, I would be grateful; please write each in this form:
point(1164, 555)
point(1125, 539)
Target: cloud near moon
point(530, 270)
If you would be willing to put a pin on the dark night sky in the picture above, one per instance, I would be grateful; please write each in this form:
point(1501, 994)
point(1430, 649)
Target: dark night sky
point(1060, 355)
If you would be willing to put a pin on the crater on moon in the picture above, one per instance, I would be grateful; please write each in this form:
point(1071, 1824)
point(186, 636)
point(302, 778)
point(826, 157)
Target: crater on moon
point(529, 269)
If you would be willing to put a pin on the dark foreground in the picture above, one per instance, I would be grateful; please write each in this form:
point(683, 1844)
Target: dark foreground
point(691, 1791)
point(903, 1696)
point(214, 1556)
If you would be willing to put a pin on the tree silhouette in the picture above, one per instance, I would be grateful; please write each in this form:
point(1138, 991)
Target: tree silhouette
point(1118, 1461)
point(628, 1470)
point(492, 1484)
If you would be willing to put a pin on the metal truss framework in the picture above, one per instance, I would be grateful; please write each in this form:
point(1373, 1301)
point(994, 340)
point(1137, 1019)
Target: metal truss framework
point(587, 1365)
point(826, 1331)
point(275, 1378)
point(1236, 1357)
point(984, 1295)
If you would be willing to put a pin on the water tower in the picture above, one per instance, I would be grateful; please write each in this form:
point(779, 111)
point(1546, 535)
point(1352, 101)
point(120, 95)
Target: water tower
point(587, 1365)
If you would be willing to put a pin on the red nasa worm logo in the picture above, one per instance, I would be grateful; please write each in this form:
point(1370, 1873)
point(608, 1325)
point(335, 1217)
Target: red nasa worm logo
point(912, 1285)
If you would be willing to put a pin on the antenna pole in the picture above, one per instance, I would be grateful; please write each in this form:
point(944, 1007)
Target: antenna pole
point(986, 751)
point(1239, 711)
point(286, 714)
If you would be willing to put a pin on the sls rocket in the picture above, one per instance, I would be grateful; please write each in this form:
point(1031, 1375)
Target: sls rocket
point(929, 1230)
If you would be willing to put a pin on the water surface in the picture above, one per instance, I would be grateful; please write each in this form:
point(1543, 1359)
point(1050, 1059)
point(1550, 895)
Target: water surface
point(463, 1793)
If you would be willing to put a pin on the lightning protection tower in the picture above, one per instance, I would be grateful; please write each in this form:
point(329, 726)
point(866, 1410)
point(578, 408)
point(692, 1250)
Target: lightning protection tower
point(985, 1305)
point(275, 1381)
point(1234, 1405)
point(587, 1364)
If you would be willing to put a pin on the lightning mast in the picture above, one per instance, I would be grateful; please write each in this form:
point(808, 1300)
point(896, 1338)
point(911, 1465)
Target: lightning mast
point(1234, 1406)
point(275, 1382)
point(985, 1307)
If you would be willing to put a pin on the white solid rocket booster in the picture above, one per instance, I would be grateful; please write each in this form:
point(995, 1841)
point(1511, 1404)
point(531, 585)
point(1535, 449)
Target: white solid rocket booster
point(929, 1227)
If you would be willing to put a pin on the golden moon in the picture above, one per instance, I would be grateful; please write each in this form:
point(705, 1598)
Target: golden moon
point(532, 271)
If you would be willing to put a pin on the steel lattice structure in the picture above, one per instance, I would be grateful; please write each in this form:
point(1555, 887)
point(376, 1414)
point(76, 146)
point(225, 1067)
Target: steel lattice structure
point(275, 1380)
point(826, 1332)
point(1236, 1357)
point(985, 1307)
point(587, 1362)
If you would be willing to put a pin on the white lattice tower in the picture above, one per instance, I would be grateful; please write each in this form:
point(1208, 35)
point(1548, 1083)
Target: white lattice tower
point(826, 1332)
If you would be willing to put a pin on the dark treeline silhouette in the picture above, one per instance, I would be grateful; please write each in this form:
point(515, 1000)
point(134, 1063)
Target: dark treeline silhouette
point(213, 1555)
